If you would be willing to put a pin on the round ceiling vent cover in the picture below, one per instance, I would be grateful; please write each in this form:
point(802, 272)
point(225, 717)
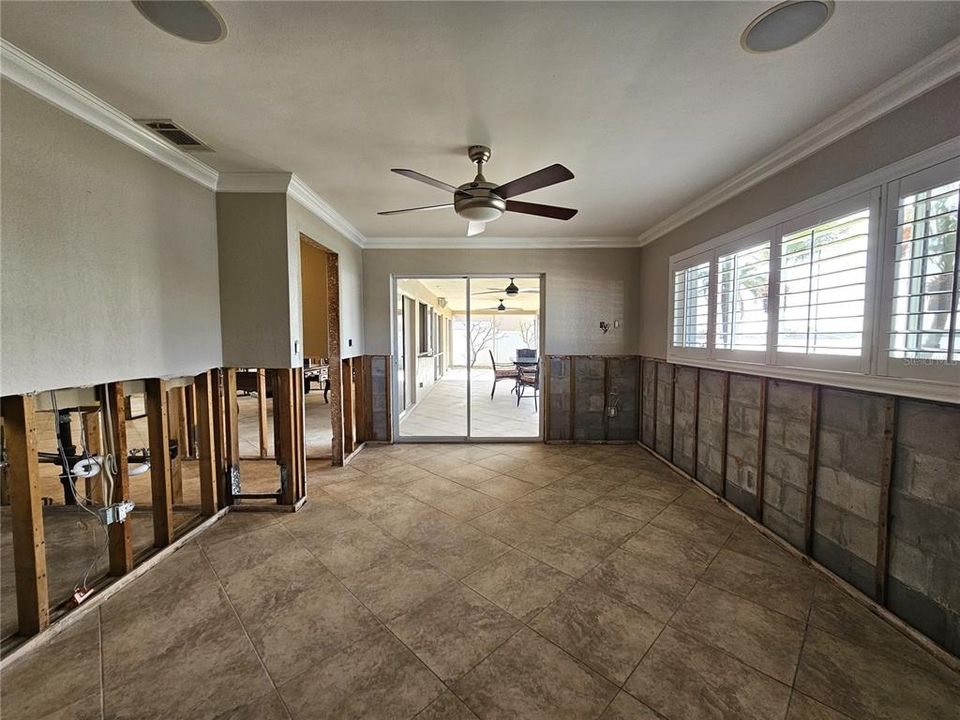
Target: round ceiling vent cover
point(193, 20)
point(786, 24)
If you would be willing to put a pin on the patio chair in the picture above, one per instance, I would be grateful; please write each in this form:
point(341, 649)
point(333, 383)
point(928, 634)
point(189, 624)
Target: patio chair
point(528, 378)
point(502, 373)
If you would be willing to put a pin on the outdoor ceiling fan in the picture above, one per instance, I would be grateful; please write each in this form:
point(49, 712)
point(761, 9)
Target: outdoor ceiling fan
point(480, 202)
point(499, 308)
point(510, 290)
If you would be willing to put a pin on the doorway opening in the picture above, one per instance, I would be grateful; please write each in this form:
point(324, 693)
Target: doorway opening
point(467, 355)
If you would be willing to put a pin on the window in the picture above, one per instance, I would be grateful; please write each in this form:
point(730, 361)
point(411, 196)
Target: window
point(743, 285)
point(858, 287)
point(423, 326)
point(925, 296)
point(691, 299)
point(823, 284)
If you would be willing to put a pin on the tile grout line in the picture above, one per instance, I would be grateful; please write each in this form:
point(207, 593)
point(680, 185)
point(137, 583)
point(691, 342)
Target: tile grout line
point(246, 634)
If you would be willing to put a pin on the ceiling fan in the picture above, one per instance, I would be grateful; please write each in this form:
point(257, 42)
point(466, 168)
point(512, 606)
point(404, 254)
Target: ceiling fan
point(510, 290)
point(499, 308)
point(480, 202)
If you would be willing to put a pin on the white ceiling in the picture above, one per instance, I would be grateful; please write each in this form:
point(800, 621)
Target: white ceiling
point(649, 104)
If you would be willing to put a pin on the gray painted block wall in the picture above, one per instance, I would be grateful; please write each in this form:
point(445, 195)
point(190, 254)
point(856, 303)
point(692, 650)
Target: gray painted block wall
point(379, 387)
point(559, 400)
point(648, 417)
point(664, 410)
point(589, 398)
point(924, 565)
point(685, 419)
point(743, 442)
point(711, 430)
point(623, 378)
point(847, 504)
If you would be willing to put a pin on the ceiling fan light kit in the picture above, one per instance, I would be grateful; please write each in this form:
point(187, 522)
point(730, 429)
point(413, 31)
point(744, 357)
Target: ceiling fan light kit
point(480, 202)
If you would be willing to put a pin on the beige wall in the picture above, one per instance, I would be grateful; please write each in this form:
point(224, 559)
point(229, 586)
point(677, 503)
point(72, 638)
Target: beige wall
point(255, 287)
point(313, 277)
point(923, 123)
point(301, 220)
point(109, 259)
point(583, 287)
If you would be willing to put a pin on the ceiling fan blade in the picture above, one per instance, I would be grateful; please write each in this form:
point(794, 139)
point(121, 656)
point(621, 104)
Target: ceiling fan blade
point(550, 211)
point(475, 228)
point(416, 209)
point(534, 181)
point(414, 175)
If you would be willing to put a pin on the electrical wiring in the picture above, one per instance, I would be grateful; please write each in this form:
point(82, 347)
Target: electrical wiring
point(84, 500)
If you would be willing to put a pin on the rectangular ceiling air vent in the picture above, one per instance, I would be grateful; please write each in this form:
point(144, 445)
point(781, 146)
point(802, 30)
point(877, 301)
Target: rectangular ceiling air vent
point(175, 134)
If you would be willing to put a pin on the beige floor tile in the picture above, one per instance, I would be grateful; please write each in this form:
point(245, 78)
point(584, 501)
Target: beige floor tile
point(505, 488)
point(865, 684)
point(376, 678)
point(530, 678)
point(59, 679)
point(762, 638)
point(458, 549)
point(695, 523)
point(551, 504)
point(642, 582)
point(446, 707)
point(607, 635)
point(684, 679)
point(806, 708)
point(351, 552)
point(688, 554)
point(519, 584)
point(454, 630)
point(603, 524)
point(465, 503)
point(627, 707)
point(630, 501)
point(786, 589)
point(396, 583)
point(566, 549)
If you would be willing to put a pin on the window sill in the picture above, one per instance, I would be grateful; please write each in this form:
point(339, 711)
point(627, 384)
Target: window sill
point(905, 387)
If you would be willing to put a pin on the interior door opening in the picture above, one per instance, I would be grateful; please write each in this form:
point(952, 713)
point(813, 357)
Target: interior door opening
point(468, 358)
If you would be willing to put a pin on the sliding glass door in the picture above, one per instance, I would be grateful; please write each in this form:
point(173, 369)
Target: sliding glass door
point(467, 358)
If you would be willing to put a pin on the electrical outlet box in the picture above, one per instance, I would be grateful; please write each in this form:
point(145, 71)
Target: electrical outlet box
point(116, 513)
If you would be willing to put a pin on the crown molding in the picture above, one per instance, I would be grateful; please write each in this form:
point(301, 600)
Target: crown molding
point(253, 182)
point(936, 69)
point(304, 194)
point(47, 84)
point(497, 243)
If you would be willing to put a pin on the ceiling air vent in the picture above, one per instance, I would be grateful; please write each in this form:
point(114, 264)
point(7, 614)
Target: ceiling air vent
point(174, 134)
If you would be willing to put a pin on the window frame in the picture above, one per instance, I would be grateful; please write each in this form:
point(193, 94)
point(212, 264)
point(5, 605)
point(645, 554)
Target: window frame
point(681, 266)
point(908, 368)
point(873, 370)
point(842, 363)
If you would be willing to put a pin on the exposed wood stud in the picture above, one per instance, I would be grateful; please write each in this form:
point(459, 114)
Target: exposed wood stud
point(761, 446)
point(886, 480)
point(300, 407)
point(219, 436)
point(23, 477)
point(696, 424)
point(92, 486)
point(231, 434)
point(723, 435)
point(160, 482)
point(262, 412)
point(206, 445)
point(812, 460)
point(119, 535)
point(337, 384)
point(175, 410)
point(674, 370)
point(191, 404)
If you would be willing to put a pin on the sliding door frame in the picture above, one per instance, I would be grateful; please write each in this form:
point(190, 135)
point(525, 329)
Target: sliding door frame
point(394, 384)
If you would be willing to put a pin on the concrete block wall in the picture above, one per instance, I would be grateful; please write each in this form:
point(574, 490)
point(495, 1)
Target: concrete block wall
point(379, 397)
point(711, 429)
point(923, 585)
point(790, 407)
point(743, 441)
point(589, 398)
point(685, 419)
point(664, 409)
point(866, 484)
point(623, 388)
point(557, 426)
point(848, 485)
point(648, 382)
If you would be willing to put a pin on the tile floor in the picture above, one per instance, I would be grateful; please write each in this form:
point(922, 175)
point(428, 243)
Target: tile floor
point(443, 411)
point(484, 581)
